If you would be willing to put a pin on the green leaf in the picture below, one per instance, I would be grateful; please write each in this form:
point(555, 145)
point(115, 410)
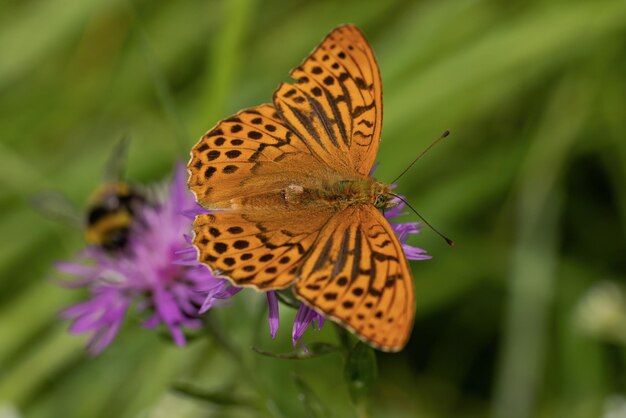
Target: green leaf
point(224, 397)
point(313, 350)
point(360, 372)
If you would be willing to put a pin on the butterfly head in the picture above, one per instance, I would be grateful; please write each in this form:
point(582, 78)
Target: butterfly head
point(382, 196)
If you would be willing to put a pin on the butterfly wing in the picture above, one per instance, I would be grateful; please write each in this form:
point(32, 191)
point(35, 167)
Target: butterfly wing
point(336, 105)
point(251, 153)
point(257, 249)
point(356, 273)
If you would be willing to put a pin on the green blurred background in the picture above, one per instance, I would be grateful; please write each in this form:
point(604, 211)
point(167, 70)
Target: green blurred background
point(524, 317)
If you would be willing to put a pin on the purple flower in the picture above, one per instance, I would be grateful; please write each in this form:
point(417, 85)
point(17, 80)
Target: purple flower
point(304, 317)
point(148, 274)
point(272, 303)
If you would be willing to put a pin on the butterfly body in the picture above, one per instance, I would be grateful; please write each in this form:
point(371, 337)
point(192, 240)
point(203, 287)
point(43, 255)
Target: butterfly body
point(337, 196)
point(291, 202)
point(344, 193)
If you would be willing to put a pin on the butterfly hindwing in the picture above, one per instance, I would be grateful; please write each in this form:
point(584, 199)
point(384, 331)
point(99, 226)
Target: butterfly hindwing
point(256, 249)
point(336, 104)
point(357, 274)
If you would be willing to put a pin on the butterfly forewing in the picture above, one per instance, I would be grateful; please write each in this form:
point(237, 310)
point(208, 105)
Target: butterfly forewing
point(250, 153)
point(336, 104)
point(357, 274)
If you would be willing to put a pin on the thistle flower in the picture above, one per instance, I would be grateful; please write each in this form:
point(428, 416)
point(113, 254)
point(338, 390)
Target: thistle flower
point(145, 275)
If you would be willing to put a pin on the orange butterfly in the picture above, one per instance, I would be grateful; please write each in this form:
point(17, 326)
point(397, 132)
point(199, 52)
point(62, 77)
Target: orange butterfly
point(292, 201)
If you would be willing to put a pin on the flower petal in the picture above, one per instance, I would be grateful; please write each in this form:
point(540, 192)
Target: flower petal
point(272, 302)
point(304, 317)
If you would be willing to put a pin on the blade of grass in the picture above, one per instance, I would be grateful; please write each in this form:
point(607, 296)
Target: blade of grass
point(224, 60)
point(535, 257)
point(164, 92)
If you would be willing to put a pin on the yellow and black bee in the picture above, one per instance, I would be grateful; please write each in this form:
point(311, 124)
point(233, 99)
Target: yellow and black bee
point(111, 211)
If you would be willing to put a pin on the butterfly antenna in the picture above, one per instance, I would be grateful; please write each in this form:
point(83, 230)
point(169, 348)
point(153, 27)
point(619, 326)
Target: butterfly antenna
point(448, 240)
point(435, 142)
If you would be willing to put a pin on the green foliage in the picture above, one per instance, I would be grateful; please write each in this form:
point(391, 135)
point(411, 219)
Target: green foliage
point(313, 407)
point(530, 185)
point(360, 372)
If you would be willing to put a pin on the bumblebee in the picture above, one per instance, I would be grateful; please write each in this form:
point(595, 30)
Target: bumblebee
point(112, 210)
point(111, 213)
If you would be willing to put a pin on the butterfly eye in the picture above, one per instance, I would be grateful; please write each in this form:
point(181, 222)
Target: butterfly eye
point(380, 201)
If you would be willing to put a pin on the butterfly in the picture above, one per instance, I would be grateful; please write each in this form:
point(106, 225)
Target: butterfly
point(291, 202)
